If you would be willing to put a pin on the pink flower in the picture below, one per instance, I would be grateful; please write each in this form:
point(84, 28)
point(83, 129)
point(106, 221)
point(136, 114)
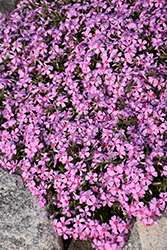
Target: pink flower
point(94, 203)
point(42, 202)
point(11, 150)
point(155, 206)
point(92, 177)
point(43, 49)
point(147, 222)
point(66, 160)
point(131, 25)
point(78, 221)
point(84, 153)
point(141, 44)
point(61, 101)
point(104, 230)
point(116, 224)
point(14, 58)
point(107, 199)
point(17, 46)
point(121, 151)
point(156, 42)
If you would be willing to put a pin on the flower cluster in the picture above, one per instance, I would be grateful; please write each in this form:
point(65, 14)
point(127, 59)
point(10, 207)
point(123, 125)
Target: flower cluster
point(83, 97)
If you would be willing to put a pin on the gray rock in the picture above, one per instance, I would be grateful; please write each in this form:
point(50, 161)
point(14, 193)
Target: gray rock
point(154, 237)
point(134, 242)
point(22, 224)
point(81, 245)
point(7, 6)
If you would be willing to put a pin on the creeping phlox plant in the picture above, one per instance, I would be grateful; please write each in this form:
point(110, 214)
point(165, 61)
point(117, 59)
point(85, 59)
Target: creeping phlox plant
point(83, 92)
